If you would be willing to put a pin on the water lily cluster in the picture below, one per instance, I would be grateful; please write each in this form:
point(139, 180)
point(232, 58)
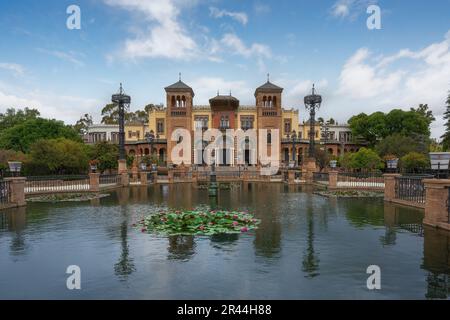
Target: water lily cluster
point(198, 222)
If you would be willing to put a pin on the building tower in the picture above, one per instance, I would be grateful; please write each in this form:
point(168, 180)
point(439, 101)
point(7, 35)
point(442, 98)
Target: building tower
point(178, 112)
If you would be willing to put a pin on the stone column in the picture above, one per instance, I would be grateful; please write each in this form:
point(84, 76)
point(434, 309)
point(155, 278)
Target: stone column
point(17, 190)
point(436, 210)
point(170, 175)
point(155, 177)
point(134, 172)
point(94, 182)
point(124, 179)
point(122, 166)
point(332, 179)
point(245, 175)
point(310, 169)
point(389, 186)
point(143, 176)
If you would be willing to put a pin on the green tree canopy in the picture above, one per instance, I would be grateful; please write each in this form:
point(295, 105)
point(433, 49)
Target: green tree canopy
point(378, 125)
point(446, 136)
point(107, 155)
point(398, 145)
point(414, 161)
point(57, 156)
point(82, 125)
point(22, 135)
point(13, 117)
point(364, 159)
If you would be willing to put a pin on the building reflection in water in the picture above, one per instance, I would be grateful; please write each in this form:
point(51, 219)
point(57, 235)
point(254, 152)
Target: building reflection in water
point(437, 262)
point(125, 266)
point(310, 263)
point(181, 247)
point(14, 221)
point(265, 199)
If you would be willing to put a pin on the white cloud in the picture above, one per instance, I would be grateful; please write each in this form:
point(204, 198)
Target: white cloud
point(72, 57)
point(15, 68)
point(261, 8)
point(240, 17)
point(49, 104)
point(350, 8)
point(165, 37)
point(233, 42)
point(206, 88)
point(372, 85)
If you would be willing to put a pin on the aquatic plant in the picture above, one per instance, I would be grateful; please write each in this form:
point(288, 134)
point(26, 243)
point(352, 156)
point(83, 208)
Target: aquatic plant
point(198, 222)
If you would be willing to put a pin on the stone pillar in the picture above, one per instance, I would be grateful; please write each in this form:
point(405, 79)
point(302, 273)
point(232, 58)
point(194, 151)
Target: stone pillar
point(17, 190)
point(245, 175)
point(155, 177)
point(332, 179)
point(122, 166)
point(291, 176)
point(143, 176)
point(310, 166)
point(135, 173)
point(94, 182)
point(170, 175)
point(436, 210)
point(389, 186)
point(124, 179)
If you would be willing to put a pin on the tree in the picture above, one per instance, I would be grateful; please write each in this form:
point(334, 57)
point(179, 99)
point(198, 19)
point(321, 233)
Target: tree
point(414, 161)
point(446, 136)
point(83, 124)
point(397, 145)
point(57, 156)
point(322, 158)
point(371, 128)
point(13, 117)
point(424, 111)
point(365, 159)
point(106, 154)
point(22, 135)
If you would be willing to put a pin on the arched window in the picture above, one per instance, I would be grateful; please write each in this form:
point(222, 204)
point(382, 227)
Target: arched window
point(174, 104)
point(269, 102)
point(183, 102)
point(269, 138)
point(274, 102)
point(178, 102)
point(264, 101)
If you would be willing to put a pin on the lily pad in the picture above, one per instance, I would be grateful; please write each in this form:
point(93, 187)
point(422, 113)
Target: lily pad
point(198, 222)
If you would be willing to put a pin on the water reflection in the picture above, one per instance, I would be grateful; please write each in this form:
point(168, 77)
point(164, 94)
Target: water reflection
point(310, 263)
point(181, 248)
point(301, 236)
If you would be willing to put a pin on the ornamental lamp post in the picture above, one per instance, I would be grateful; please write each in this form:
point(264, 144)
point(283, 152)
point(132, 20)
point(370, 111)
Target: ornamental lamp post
point(123, 101)
point(312, 102)
point(392, 164)
point(15, 167)
point(294, 151)
point(150, 137)
point(333, 164)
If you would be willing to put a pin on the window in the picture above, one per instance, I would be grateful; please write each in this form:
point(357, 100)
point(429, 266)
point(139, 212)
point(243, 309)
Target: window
point(201, 122)
point(130, 134)
point(224, 122)
point(269, 138)
point(287, 125)
point(247, 122)
point(160, 126)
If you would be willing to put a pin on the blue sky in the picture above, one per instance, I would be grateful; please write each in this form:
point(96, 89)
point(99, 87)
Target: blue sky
point(225, 45)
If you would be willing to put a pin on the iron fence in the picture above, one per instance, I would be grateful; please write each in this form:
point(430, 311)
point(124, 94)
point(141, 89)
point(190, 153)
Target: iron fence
point(410, 188)
point(320, 177)
point(361, 180)
point(49, 184)
point(109, 179)
point(5, 192)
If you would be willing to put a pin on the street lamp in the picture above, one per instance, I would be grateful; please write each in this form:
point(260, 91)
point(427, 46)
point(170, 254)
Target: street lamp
point(150, 137)
point(123, 101)
point(15, 167)
point(392, 164)
point(333, 164)
point(312, 102)
point(294, 151)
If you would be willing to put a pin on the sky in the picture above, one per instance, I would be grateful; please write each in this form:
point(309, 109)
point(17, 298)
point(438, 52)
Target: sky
point(225, 45)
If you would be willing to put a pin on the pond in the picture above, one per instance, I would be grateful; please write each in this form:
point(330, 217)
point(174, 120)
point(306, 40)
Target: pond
point(306, 247)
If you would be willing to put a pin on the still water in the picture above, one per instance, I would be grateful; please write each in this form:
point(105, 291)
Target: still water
point(307, 246)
